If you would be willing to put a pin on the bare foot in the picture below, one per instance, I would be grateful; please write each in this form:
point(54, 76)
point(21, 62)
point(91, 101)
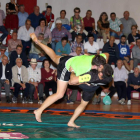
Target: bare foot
point(72, 125)
point(37, 115)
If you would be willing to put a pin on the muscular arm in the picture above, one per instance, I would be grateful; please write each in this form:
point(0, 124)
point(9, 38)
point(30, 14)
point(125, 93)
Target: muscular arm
point(74, 80)
point(77, 80)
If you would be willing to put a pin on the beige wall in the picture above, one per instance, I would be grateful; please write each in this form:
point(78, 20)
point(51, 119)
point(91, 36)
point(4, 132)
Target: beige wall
point(97, 6)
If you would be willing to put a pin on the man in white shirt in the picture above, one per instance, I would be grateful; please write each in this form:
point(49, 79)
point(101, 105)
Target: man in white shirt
point(91, 46)
point(120, 81)
point(34, 77)
point(24, 35)
point(5, 77)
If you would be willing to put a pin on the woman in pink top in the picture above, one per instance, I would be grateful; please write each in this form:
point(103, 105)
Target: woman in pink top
point(42, 28)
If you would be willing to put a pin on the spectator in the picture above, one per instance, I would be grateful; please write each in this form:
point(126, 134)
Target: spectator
point(103, 26)
point(65, 21)
point(18, 54)
point(127, 23)
point(109, 89)
point(116, 26)
point(2, 28)
point(133, 83)
point(133, 36)
point(113, 50)
point(89, 24)
point(125, 54)
point(77, 52)
point(120, 81)
point(35, 17)
point(44, 30)
point(11, 21)
point(22, 16)
point(13, 42)
point(20, 80)
point(34, 77)
point(136, 53)
point(49, 16)
point(5, 77)
point(63, 47)
point(48, 80)
point(58, 33)
point(3, 52)
point(77, 25)
point(24, 36)
point(77, 43)
point(91, 47)
point(36, 52)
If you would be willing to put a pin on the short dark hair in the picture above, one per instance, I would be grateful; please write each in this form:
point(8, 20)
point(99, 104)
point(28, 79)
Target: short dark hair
point(64, 38)
point(98, 60)
point(90, 35)
point(133, 26)
point(21, 6)
point(27, 20)
point(42, 19)
point(113, 13)
point(44, 62)
point(89, 11)
point(123, 36)
point(63, 11)
point(19, 46)
point(79, 35)
point(49, 6)
point(107, 71)
point(77, 8)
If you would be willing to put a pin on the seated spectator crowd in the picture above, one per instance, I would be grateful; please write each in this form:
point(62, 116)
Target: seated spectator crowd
point(67, 38)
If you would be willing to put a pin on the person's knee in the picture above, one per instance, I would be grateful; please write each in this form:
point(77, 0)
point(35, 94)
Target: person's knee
point(16, 85)
point(131, 61)
point(32, 87)
point(40, 86)
point(112, 34)
point(59, 96)
point(84, 103)
point(124, 61)
point(6, 33)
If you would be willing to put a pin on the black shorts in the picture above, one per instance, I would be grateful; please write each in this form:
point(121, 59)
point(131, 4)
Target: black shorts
point(62, 73)
point(88, 91)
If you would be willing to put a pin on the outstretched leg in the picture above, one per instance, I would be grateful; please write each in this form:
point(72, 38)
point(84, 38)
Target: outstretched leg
point(55, 58)
point(61, 88)
point(77, 112)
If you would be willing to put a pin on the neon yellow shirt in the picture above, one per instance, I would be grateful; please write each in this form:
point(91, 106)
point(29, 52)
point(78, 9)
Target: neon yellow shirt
point(81, 64)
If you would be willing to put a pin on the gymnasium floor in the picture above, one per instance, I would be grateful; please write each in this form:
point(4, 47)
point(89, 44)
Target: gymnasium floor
point(98, 122)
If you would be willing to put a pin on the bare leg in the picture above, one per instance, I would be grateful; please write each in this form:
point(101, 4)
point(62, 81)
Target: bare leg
point(131, 64)
point(55, 58)
point(126, 65)
point(61, 88)
point(77, 112)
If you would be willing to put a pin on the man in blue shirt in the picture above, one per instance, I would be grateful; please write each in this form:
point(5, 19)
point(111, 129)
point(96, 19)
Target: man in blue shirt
point(63, 47)
point(133, 83)
point(35, 17)
point(22, 15)
point(125, 54)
